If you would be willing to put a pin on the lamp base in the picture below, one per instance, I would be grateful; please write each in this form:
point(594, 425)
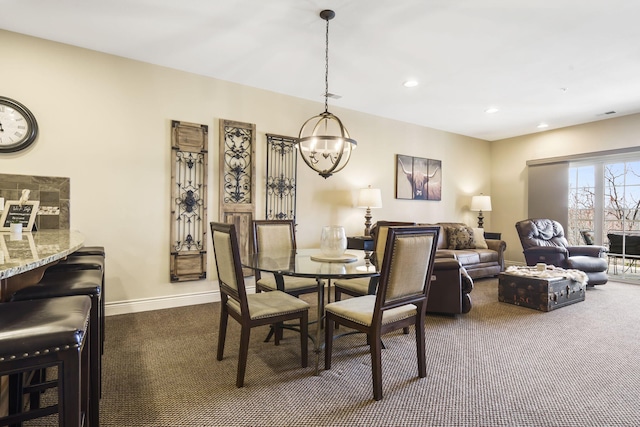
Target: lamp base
point(480, 219)
point(367, 222)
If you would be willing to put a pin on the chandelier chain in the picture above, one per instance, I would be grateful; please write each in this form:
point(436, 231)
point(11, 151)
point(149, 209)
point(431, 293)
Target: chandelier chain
point(326, 70)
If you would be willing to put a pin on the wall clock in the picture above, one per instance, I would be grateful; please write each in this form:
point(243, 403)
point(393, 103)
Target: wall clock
point(18, 126)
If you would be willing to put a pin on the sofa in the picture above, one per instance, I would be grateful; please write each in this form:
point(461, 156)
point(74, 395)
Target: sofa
point(479, 256)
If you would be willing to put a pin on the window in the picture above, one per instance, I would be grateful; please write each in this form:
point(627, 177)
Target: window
point(622, 196)
point(582, 196)
point(597, 193)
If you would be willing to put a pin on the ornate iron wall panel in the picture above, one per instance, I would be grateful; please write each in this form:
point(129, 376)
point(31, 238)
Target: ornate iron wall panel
point(281, 177)
point(188, 201)
point(237, 180)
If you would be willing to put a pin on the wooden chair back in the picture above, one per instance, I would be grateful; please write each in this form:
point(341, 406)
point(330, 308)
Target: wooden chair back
point(273, 235)
point(227, 256)
point(407, 267)
point(380, 235)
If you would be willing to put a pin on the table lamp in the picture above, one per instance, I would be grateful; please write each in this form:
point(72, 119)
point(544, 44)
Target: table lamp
point(481, 203)
point(369, 198)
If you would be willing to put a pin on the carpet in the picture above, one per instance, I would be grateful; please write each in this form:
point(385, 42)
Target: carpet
point(498, 365)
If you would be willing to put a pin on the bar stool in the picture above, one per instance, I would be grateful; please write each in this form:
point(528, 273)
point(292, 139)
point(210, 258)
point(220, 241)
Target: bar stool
point(46, 333)
point(70, 283)
point(90, 250)
point(86, 258)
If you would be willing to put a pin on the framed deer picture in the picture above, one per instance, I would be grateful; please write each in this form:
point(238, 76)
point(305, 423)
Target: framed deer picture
point(418, 178)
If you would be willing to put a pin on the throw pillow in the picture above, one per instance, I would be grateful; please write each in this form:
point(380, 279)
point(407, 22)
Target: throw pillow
point(478, 235)
point(461, 238)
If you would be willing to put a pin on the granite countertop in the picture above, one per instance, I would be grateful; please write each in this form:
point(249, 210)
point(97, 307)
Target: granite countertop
point(28, 250)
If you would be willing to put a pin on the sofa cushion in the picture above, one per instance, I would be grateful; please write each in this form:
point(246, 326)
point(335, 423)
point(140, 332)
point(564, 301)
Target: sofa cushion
point(487, 255)
point(468, 257)
point(461, 237)
point(478, 235)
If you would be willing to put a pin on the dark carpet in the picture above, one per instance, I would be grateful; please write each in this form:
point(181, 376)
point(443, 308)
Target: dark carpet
point(499, 365)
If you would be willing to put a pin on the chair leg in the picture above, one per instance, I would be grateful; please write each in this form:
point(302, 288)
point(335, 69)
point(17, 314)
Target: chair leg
point(270, 334)
point(222, 333)
point(276, 333)
point(321, 322)
point(245, 333)
point(70, 393)
point(304, 338)
point(420, 346)
point(337, 295)
point(93, 349)
point(376, 366)
point(328, 341)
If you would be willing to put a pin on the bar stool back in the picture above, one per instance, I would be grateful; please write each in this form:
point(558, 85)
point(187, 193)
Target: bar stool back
point(45, 333)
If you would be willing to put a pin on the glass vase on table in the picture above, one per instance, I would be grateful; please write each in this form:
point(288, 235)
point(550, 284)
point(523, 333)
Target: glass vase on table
point(333, 241)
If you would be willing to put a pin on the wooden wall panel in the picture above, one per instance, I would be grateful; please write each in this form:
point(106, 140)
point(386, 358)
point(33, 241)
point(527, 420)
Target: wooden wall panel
point(237, 180)
point(188, 201)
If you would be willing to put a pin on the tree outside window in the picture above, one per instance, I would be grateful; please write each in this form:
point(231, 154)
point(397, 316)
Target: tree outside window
point(620, 191)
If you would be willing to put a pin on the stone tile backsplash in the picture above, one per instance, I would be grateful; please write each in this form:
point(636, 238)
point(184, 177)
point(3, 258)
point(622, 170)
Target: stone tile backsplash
point(52, 192)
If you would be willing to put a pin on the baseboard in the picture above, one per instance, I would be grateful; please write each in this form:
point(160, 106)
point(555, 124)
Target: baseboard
point(148, 304)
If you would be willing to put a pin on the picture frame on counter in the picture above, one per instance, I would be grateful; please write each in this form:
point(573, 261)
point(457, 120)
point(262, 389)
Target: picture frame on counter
point(23, 213)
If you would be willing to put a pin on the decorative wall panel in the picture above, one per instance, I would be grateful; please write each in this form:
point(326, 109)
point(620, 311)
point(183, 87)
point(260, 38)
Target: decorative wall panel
point(237, 180)
point(188, 201)
point(281, 177)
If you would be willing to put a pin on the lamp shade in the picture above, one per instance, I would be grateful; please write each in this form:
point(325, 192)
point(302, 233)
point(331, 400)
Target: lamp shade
point(481, 203)
point(370, 198)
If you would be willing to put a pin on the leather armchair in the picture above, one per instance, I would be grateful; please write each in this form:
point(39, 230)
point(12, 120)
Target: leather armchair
point(543, 241)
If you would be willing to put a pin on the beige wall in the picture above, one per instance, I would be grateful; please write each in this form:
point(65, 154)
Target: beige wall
point(509, 170)
point(104, 122)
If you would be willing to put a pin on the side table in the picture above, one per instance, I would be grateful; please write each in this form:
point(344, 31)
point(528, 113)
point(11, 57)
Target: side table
point(492, 235)
point(364, 243)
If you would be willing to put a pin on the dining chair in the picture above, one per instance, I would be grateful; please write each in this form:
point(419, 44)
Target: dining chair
point(273, 237)
point(401, 299)
point(365, 285)
point(265, 308)
point(278, 236)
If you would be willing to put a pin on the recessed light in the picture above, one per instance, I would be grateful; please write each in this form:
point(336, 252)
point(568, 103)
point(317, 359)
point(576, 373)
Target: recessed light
point(543, 125)
point(410, 83)
point(491, 110)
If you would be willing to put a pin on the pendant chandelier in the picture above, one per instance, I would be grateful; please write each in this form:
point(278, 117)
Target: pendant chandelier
point(324, 143)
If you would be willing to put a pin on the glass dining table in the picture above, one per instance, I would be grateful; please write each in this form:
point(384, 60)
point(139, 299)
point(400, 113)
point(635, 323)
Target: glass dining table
point(312, 264)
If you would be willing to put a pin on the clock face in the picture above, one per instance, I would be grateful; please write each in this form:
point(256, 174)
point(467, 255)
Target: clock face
point(18, 127)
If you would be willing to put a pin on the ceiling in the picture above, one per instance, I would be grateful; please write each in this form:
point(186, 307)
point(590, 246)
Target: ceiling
point(561, 62)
